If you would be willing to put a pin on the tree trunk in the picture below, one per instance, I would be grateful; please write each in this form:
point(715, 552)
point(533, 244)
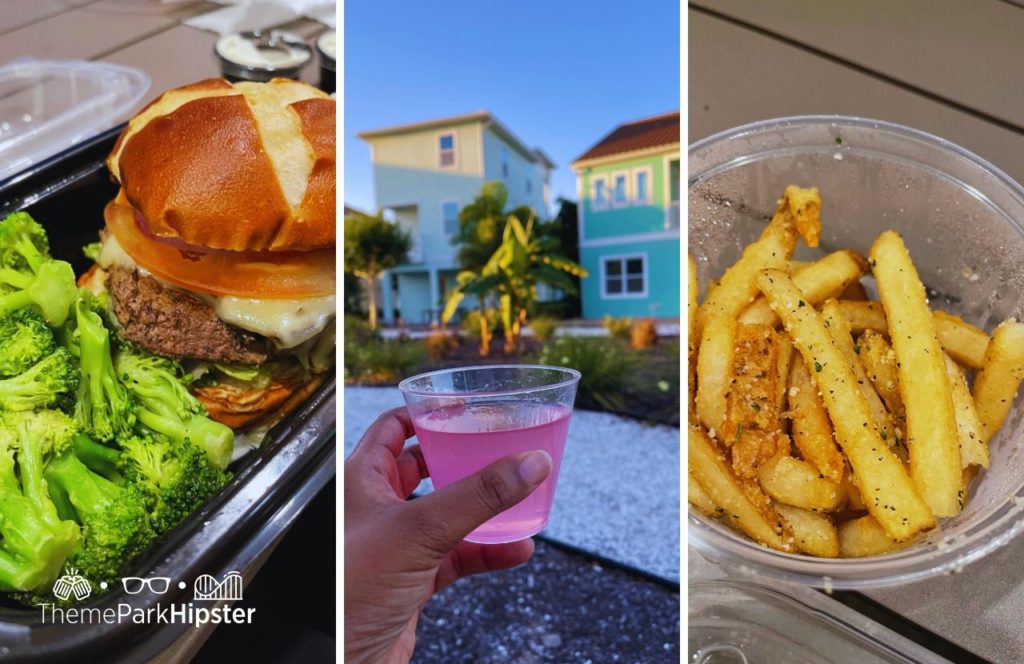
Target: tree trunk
point(371, 300)
point(485, 336)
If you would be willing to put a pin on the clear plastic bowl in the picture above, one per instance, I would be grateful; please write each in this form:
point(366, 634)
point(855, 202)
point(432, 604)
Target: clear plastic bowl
point(961, 219)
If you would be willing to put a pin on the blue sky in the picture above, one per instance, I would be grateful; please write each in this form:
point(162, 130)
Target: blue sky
point(559, 73)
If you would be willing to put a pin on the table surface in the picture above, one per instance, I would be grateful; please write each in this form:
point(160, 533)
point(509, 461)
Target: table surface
point(952, 71)
point(146, 34)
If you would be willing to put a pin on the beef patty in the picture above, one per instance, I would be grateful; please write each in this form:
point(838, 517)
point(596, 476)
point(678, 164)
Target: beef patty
point(172, 323)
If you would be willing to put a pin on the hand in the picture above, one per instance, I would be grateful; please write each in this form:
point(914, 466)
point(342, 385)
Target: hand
point(398, 553)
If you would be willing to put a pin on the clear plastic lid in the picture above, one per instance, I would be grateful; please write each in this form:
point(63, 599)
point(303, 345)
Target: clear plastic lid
point(47, 106)
point(738, 622)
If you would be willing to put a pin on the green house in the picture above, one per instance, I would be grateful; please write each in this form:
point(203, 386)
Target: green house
point(628, 186)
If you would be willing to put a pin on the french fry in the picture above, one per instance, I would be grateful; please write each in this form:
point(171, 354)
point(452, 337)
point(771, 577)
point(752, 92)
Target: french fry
point(879, 362)
point(854, 501)
point(924, 384)
point(798, 483)
point(840, 331)
point(995, 386)
point(714, 371)
point(701, 500)
point(818, 281)
point(813, 533)
point(865, 537)
point(973, 450)
point(855, 291)
point(691, 343)
point(797, 215)
point(880, 477)
point(752, 427)
point(812, 430)
point(691, 309)
point(760, 521)
point(782, 366)
point(964, 342)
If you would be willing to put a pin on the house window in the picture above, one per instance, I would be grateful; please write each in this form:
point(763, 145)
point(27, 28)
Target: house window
point(446, 150)
point(450, 217)
point(642, 185)
point(529, 186)
point(620, 189)
point(504, 162)
point(599, 196)
point(624, 276)
point(673, 202)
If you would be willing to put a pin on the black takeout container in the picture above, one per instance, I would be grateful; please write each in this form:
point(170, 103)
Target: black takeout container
point(236, 530)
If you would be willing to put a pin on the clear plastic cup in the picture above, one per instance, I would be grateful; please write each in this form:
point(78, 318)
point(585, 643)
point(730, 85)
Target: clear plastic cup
point(961, 220)
point(465, 419)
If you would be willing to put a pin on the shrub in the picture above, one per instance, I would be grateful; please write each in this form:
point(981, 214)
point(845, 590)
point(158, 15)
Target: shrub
point(357, 330)
point(470, 324)
point(605, 368)
point(618, 328)
point(544, 327)
point(382, 361)
point(644, 334)
point(440, 344)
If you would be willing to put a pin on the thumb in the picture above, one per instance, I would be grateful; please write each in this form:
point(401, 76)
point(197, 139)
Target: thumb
point(447, 515)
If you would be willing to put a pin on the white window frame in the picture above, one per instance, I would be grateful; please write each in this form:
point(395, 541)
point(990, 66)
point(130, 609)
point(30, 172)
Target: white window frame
point(611, 189)
point(605, 295)
point(447, 201)
point(455, 148)
point(603, 177)
point(633, 180)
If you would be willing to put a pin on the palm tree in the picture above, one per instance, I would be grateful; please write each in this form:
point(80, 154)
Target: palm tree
point(521, 261)
point(373, 245)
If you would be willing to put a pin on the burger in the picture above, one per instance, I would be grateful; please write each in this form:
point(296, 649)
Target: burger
point(219, 248)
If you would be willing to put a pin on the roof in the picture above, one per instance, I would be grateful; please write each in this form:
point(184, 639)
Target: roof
point(485, 117)
point(644, 134)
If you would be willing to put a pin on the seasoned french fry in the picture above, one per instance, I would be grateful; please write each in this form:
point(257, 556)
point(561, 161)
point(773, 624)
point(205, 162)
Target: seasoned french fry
point(760, 521)
point(691, 309)
point(964, 342)
point(714, 371)
point(798, 483)
point(782, 366)
point(692, 342)
point(818, 281)
point(812, 430)
point(879, 362)
point(752, 427)
point(840, 330)
point(797, 215)
point(865, 537)
point(995, 386)
point(814, 533)
point(855, 291)
point(699, 499)
point(890, 494)
point(854, 501)
point(924, 383)
point(973, 449)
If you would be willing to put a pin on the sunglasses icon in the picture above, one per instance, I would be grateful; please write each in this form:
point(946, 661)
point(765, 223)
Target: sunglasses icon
point(133, 585)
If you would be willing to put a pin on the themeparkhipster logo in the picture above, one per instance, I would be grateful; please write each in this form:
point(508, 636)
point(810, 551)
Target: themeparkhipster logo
point(73, 587)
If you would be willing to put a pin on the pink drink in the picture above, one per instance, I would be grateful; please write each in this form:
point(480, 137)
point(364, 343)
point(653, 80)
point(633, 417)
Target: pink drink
point(459, 440)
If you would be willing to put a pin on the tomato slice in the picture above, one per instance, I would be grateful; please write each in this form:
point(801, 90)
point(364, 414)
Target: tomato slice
point(255, 274)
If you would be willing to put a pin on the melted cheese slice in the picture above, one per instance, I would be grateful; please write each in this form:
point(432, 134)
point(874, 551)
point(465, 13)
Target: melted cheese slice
point(286, 322)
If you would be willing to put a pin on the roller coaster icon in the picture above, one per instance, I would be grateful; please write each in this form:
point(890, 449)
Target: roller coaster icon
point(207, 587)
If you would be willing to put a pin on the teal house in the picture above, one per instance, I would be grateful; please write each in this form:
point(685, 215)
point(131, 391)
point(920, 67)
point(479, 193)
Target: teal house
point(628, 187)
point(424, 173)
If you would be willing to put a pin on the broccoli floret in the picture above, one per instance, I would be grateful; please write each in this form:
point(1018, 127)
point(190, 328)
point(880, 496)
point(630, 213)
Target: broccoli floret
point(178, 477)
point(24, 340)
point(114, 519)
point(105, 408)
point(50, 381)
point(23, 243)
point(166, 406)
point(51, 290)
point(34, 540)
point(98, 457)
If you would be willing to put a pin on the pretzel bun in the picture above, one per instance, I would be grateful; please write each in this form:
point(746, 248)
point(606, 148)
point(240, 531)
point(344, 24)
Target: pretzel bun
point(239, 167)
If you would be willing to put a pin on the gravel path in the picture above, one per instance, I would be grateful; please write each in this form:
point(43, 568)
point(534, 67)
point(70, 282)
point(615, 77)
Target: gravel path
point(618, 493)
